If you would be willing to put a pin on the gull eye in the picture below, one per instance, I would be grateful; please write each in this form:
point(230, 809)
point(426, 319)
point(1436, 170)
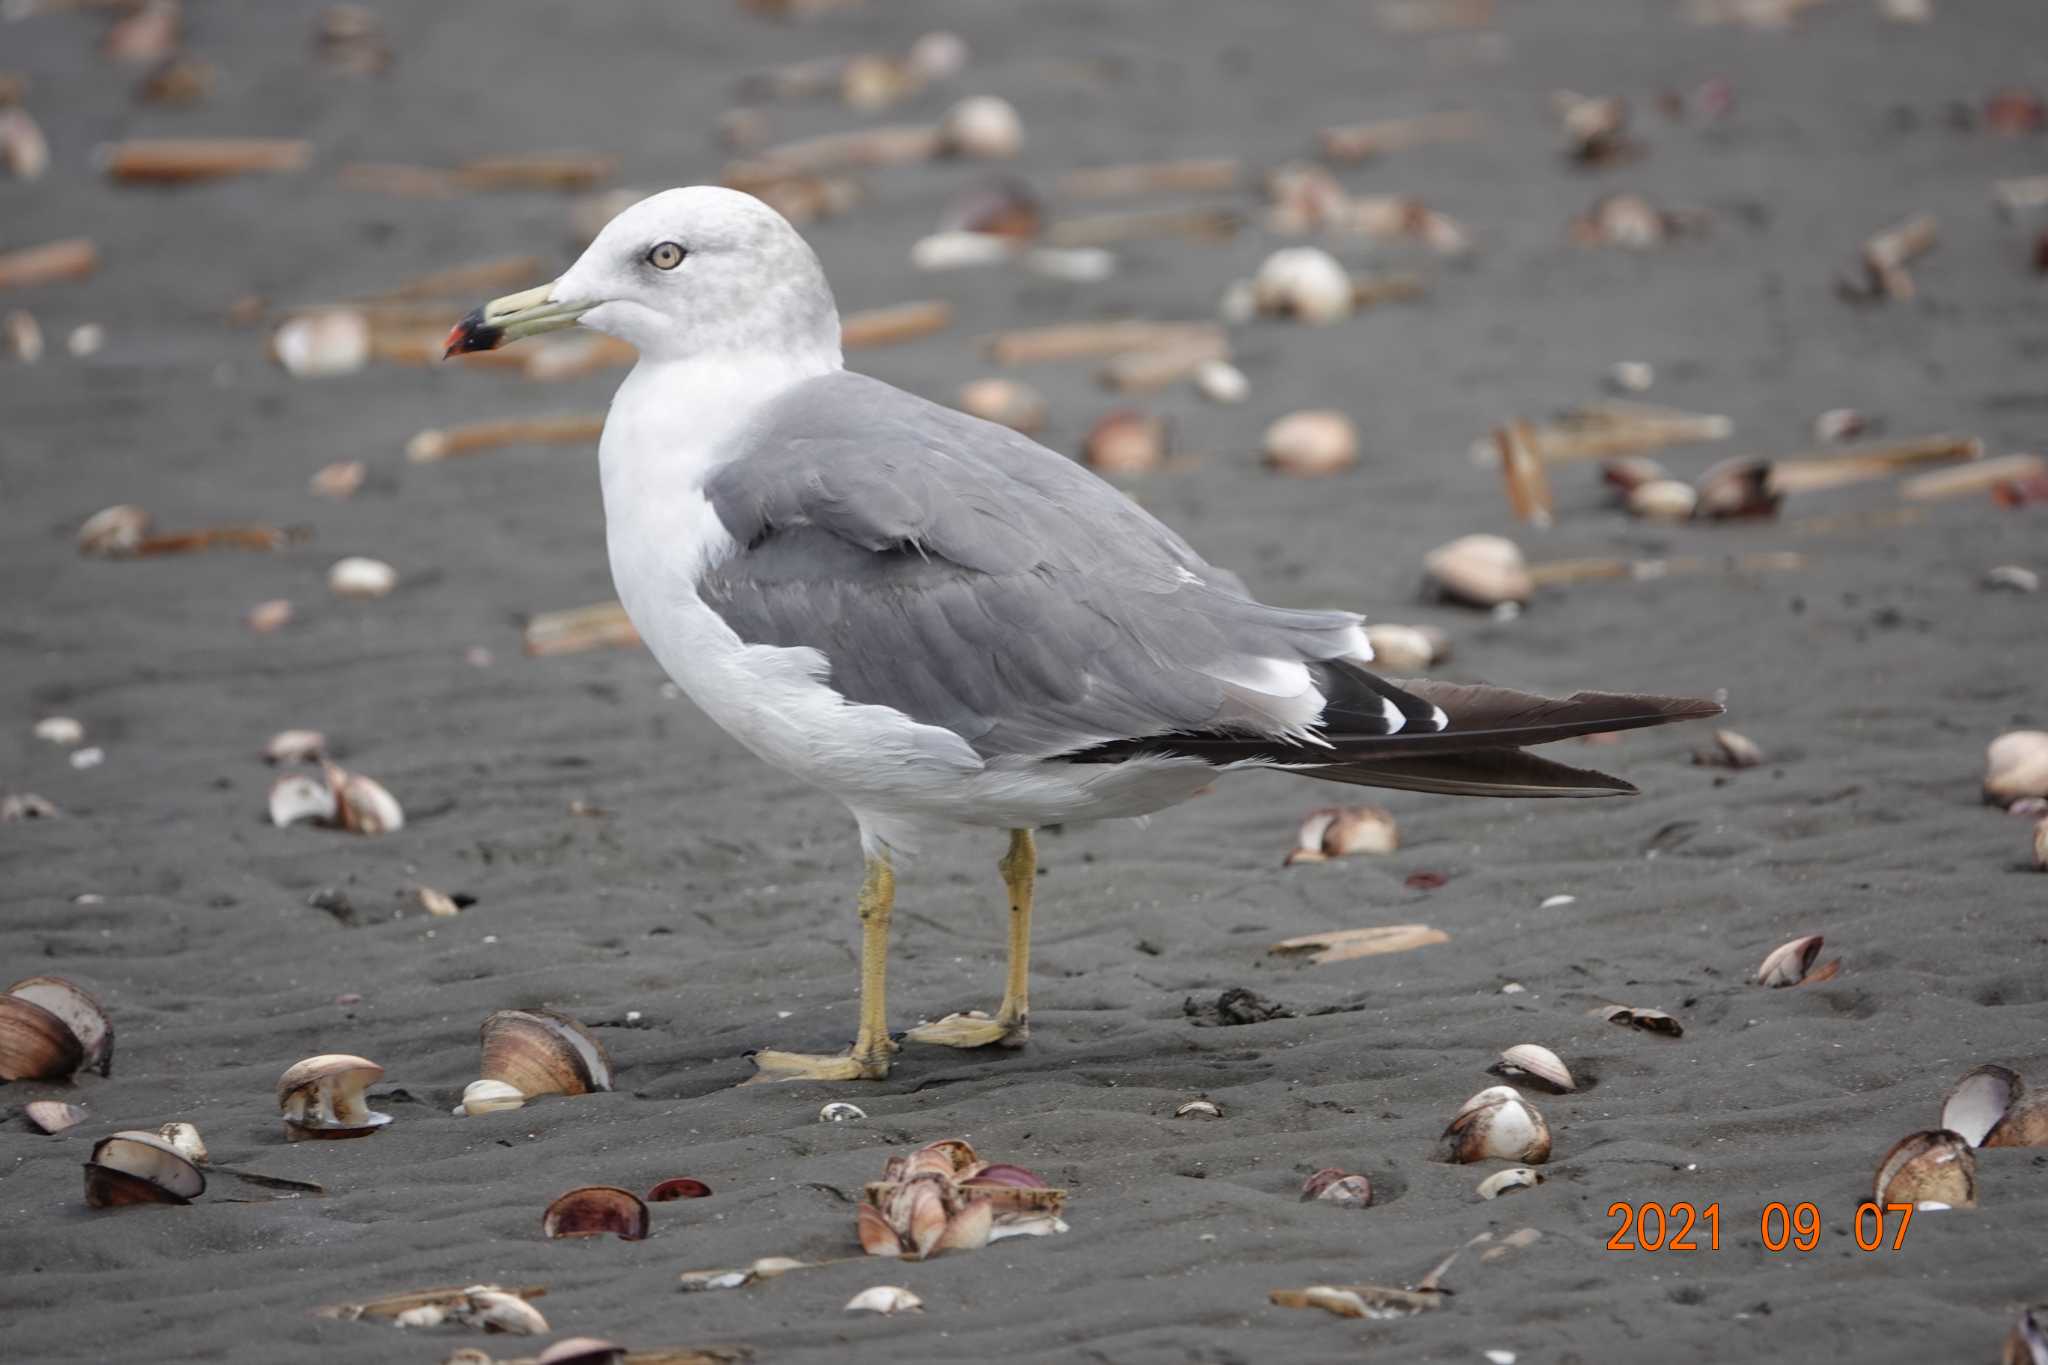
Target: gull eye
point(666, 256)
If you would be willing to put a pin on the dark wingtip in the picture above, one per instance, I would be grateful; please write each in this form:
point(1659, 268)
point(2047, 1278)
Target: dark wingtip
point(472, 334)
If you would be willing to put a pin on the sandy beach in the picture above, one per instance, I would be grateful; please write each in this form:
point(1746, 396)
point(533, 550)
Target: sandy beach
point(635, 868)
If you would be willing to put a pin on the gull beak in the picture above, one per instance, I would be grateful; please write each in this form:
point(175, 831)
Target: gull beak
point(510, 318)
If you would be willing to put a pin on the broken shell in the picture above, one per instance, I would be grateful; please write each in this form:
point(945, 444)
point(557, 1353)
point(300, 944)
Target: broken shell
point(1311, 443)
point(1979, 1100)
point(340, 479)
point(1789, 963)
point(322, 1097)
point(1005, 402)
point(582, 1351)
point(488, 1097)
point(678, 1187)
point(84, 1016)
point(1199, 1109)
point(1663, 500)
point(885, 1298)
point(1505, 1126)
point(1125, 442)
point(1839, 424)
point(839, 1111)
point(52, 1116)
point(185, 1138)
point(116, 530)
point(495, 1310)
point(1338, 831)
point(2025, 1124)
point(982, 126)
point(301, 796)
point(1631, 376)
point(1402, 650)
point(1931, 1167)
point(1481, 570)
point(1649, 1020)
point(1222, 382)
point(1345, 1189)
point(437, 903)
point(140, 1168)
point(959, 249)
point(295, 746)
point(361, 578)
point(1303, 282)
point(1541, 1063)
point(2012, 578)
point(539, 1052)
point(1513, 1178)
point(271, 614)
point(313, 345)
point(363, 806)
point(1731, 750)
point(2016, 765)
point(593, 1211)
point(62, 730)
point(1738, 487)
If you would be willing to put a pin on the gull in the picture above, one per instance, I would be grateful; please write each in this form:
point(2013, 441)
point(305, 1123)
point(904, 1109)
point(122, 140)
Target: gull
point(939, 621)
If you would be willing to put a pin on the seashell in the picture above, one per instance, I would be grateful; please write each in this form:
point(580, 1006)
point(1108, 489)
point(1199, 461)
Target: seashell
point(982, 126)
point(425, 1315)
point(1125, 441)
point(1789, 963)
point(1003, 207)
point(140, 1168)
point(1199, 1109)
point(1497, 1122)
point(1663, 500)
point(1311, 443)
point(593, 1211)
point(1540, 1062)
point(1513, 1178)
point(2012, 578)
point(63, 730)
point(1977, 1101)
point(301, 796)
point(363, 806)
point(271, 614)
point(1074, 264)
point(185, 1137)
point(1631, 376)
point(314, 345)
point(35, 1045)
point(1338, 831)
point(23, 336)
point(1240, 302)
point(361, 578)
point(1004, 402)
point(114, 531)
point(2015, 766)
point(340, 479)
point(147, 33)
point(295, 746)
point(322, 1097)
point(1003, 1175)
point(678, 1187)
point(581, 1351)
point(52, 1116)
point(1481, 570)
point(1649, 1020)
point(23, 148)
point(1222, 382)
point(26, 806)
point(1345, 1189)
point(2041, 844)
point(839, 1111)
point(1839, 424)
point(885, 1298)
point(2025, 1124)
point(1730, 750)
point(84, 1016)
point(2027, 1343)
point(1403, 650)
point(1739, 487)
point(960, 250)
point(88, 758)
point(496, 1310)
point(1931, 1167)
point(488, 1097)
point(540, 1052)
point(1626, 473)
point(1304, 282)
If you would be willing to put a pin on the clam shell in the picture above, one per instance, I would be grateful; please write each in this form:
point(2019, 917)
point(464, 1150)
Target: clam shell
point(1931, 1167)
point(1199, 1109)
point(593, 1211)
point(1663, 500)
point(362, 805)
point(1491, 1094)
point(2016, 765)
point(322, 1097)
point(116, 530)
point(884, 1298)
point(1541, 1063)
point(301, 796)
point(581, 1351)
point(1346, 1189)
point(1789, 963)
point(1739, 487)
point(1125, 442)
point(1513, 1178)
point(1481, 570)
point(982, 126)
point(1304, 282)
point(185, 1137)
point(2024, 1125)
point(140, 1168)
point(1509, 1129)
point(1312, 443)
point(1978, 1100)
point(1402, 650)
point(540, 1052)
point(52, 1116)
point(494, 1309)
point(678, 1187)
point(35, 1045)
point(82, 1014)
point(488, 1097)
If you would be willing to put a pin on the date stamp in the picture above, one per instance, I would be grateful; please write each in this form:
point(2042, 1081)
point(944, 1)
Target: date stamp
point(1797, 1227)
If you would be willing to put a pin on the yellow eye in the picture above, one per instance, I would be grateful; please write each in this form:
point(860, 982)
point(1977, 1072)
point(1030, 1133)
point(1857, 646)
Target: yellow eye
point(666, 256)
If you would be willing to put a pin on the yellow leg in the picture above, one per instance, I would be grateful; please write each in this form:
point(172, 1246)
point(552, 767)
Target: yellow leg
point(1012, 1024)
point(868, 1060)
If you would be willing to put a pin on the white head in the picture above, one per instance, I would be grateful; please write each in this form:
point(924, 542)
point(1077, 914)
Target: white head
point(685, 273)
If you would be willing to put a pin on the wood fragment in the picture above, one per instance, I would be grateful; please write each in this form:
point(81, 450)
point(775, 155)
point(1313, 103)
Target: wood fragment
point(1557, 572)
point(242, 537)
point(1885, 257)
point(1079, 340)
point(1598, 430)
point(1202, 224)
point(1973, 478)
point(70, 259)
point(888, 146)
point(1834, 469)
point(407, 182)
point(1154, 368)
point(897, 323)
point(172, 161)
point(443, 443)
point(1528, 488)
point(1342, 945)
point(1362, 141)
point(391, 1305)
point(599, 626)
point(537, 171)
point(1191, 175)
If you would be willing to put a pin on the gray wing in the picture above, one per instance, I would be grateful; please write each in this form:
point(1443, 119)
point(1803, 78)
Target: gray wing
point(972, 579)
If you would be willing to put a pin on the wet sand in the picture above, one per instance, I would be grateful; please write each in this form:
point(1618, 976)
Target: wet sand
point(706, 910)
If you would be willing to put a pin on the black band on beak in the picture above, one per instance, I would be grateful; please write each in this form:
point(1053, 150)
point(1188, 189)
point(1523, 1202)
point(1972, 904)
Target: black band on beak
point(473, 334)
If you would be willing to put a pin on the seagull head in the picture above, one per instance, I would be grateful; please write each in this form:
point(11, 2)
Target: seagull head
point(684, 273)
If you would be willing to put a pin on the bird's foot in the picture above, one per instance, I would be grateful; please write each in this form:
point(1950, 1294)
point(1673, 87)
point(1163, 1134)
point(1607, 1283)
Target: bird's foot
point(772, 1067)
point(972, 1029)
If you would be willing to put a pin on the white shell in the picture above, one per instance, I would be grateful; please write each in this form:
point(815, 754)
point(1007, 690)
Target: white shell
point(1540, 1062)
point(1513, 1178)
point(506, 1312)
point(60, 730)
point(1402, 650)
point(1222, 382)
point(1314, 441)
point(938, 55)
point(839, 1111)
point(957, 250)
point(1787, 963)
point(1490, 1095)
point(365, 806)
point(1663, 500)
point(186, 1139)
point(335, 341)
point(1074, 264)
point(301, 796)
point(1304, 282)
point(983, 126)
point(885, 1298)
point(1481, 569)
point(1199, 1109)
point(359, 577)
point(488, 1097)
point(295, 746)
point(2016, 765)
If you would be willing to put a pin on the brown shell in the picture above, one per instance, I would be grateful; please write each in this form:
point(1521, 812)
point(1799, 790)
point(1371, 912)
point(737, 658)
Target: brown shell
point(85, 1016)
point(107, 1188)
point(541, 1052)
point(1490, 1130)
point(122, 1162)
point(593, 1211)
point(2024, 1125)
point(1934, 1166)
point(35, 1045)
point(678, 1187)
point(1342, 1188)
